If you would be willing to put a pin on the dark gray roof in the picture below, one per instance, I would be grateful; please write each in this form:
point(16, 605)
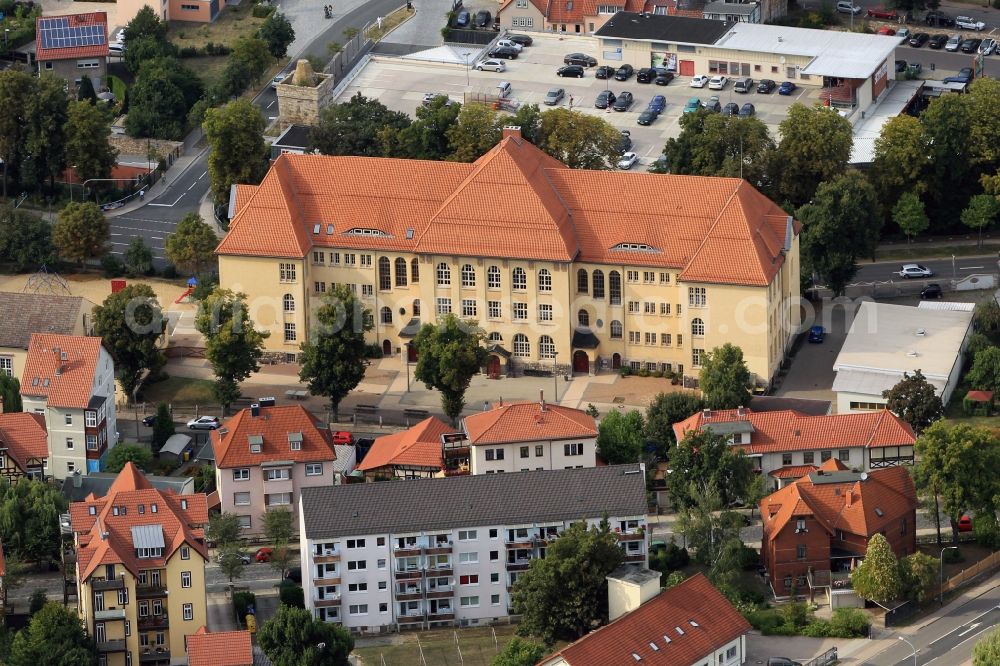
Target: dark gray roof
point(207, 452)
point(38, 313)
point(467, 501)
point(770, 403)
point(659, 28)
point(296, 136)
point(729, 427)
point(99, 483)
point(821, 477)
point(634, 573)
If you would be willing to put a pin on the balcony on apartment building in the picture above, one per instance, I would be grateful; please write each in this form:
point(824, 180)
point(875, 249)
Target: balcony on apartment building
point(154, 622)
point(329, 578)
point(147, 591)
point(438, 546)
point(409, 573)
point(326, 556)
point(109, 614)
point(835, 580)
point(635, 557)
point(409, 592)
point(526, 541)
point(440, 592)
point(443, 615)
point(441, 569)
point(637, 534)
point(411, 617)
point(154, 655)
point(518, 564)
point(412, 549)
point(101, 584)
point(113, 645)
point(327, 601)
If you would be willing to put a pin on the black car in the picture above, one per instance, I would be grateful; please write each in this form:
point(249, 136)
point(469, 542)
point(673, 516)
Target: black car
point(766, 86)
point(663, 78)
point(462, 19)
point(933, 290)
point(604, 99)
point(900, 66)
point(937, 18)
point(604, 72)
point(747, 110)
point(713, 105)
point(731, 109)
point(505, 52)
point(624, 73)
point(580, 59)
point(149, 420)
point(647, 117)
point(483, 18)
point(919, 39)
point(645, 75)
point(970, 45)
point(523, 40)
point(964, 76)
point(570, 70)
point(937, 41)
point(623, 101)
point(625, 142)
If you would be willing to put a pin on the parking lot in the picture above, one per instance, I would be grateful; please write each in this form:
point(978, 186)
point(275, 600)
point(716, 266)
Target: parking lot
point(400, 84)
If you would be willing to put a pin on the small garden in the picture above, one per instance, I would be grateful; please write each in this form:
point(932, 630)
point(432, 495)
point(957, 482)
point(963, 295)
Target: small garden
point(18, 23)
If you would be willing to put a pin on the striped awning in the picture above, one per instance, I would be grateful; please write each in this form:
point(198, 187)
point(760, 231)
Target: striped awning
point(147, 536)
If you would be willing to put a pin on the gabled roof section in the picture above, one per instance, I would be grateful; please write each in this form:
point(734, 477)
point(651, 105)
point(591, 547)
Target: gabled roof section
point(272, 427)
point(681, 625)
point(61, 369)
point(268, 212)
point(420, 446)
point(71, 36)
point(527, 422)
point(24, 436)
point(219, 648)
point(41, 313)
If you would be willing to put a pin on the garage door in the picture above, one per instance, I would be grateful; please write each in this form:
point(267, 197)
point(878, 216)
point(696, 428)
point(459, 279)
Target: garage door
point(687, 67)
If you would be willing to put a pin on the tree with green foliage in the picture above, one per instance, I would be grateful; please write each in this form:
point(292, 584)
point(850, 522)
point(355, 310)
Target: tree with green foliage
point(353, 127)
point(901, 160)
point(278, 526)
point(519, 652)
point(145, 24)
point(476, 130)
point(54, 637)
point(138, 258)
point(224, 529)
point(131, 323)
point(562, 596)
point(233, 345)
point(16, 86)
point(986, 318)
point(238, 154)
point(914, 400)
point(909, 215)
point(725, 379)
point(528, 118)
point(159, 100)
point(985, 372)
point(815, 146)
point(449, 353)
point(983, 96)
point(145, 49)
point(37, 601)
point(231, 560)
point(204, 479)
point(290, 594)
point(85, 91)
point(333, 361)
point(248, 60)
point(949, 176)
point(981, 213)
point(293, 637)
point(987, 650)
point(711, 532)
point(712, 144)
point(704, 461)
point(426, 138)
point(278, 33)
point(45, 141)
point(579, 140)
point(25, 239)
point(163, 426)
point(88, 146)
point(845, 207)
point(129, 453)
point(10, 391)
point(877, 577)
point(29, 520)
point(191, 247)
point(81, 232)
point(620, 437)
point(918, 577)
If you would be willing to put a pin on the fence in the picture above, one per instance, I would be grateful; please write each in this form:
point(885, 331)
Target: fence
point(828, 657)
point(981, 567)
point(480, 37)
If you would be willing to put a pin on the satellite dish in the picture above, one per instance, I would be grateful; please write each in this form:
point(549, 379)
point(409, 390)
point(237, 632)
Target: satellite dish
point(864, 476)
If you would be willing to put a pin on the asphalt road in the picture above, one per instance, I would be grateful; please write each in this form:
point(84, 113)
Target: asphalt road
point(884, 271)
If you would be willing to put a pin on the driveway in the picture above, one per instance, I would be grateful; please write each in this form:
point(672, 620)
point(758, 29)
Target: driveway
point(811, 374)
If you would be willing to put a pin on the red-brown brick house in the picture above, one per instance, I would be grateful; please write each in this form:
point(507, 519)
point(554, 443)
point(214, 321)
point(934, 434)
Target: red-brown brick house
point(816, 529)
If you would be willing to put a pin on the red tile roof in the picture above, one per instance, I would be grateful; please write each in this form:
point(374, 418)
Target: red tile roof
point(106, 538)
point(980, 396)
point(219, 648)
point(419, 446)
point(669, 614)
point(24, 436)
point(232, 441)
point(792, 471)
point(528, 422)
point(788, 430)
point(71, 388)
point(718, 230)
point(73, 25)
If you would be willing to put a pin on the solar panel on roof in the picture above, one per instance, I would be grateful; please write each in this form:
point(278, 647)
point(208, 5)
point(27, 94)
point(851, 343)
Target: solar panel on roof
point(56, 33)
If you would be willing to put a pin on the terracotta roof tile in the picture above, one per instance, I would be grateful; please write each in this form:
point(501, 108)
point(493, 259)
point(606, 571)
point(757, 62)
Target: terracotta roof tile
point(73, 387)
point(526, 422)
point(220, 648)
point(980, 396)
point(694, 599)
point(419, 446)
point(75, 23)
point(24, 436)
point(792, 471)
point(232, 444)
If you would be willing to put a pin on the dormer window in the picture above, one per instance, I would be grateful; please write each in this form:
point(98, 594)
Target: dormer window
point(92, 510)
point(184, 504)
point(152, 508)
point(361, 231)
point(633, 247)
point(256, 443)
point(295, 441)
point(142, 509)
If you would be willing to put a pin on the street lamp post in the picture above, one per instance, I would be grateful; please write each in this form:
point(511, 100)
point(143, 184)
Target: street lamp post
point(912, 648)
point(406, 361)
point(941, 573)
point(467, 67)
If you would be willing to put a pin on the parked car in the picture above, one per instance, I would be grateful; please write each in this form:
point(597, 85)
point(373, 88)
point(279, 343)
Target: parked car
point(907, 271)
point(816, 334)
point(965, 523)
point(968, 23)
point(883, 13)
point(462, 19)
point(658, 103)
point(493, 65)
point(748, 110)
point(204, 423)
point(149, 420)
point(523, 40)
point(953, 43)
point(116, 49)
point(580, 59)
point(886, 30)
point(263, 555)
point(988, 47)
point(120, 35)
point(919, 39)
point(693, 104)
point(718, 82)
point(504, 52)
point(847, 7)
point(624, 142)
point(431, 96)
point(904, 33)
point(553, 96)
point(743, 85)
point(242, 557)
point(937, 18)
point(604, 72)
point(623, 102)
point(571, 71)
point(937, 41)
point(970, 45)
point(713, 104)
point(933, 290)
point(510, 44)
point(786, 88)
point(343, 438)
point(766, 86)
point(627, 161)
point(645, 75)
point(624, 73)
point(663, 78)
point(647, 117)
point(731, 109)
point(483, 18)
point(605, 98)
point(964, 76)
point(699, 81)
point(900, 66)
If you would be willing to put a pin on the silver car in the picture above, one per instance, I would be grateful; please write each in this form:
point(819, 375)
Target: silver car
point(914, 270)
point(492, 64)
point(554, 96)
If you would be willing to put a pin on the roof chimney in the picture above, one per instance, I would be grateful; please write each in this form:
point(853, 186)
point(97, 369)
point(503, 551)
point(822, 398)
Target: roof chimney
point(255, 410)
point(741, 411)
point(541, 398)
point(706, 413)
point(511, 130)
point(77, 479)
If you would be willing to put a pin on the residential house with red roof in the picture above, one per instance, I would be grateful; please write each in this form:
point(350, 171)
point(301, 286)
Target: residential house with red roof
point(220, 648)
point(690, 624)
point(265, 456)
point(24, 446)
point(72, 46)
point(561, 277)
point(582, 16)
point(48, 313)
point(415, 453)
point(787, 445)
point(816, 530)
point(140, 570)
point(70, 381)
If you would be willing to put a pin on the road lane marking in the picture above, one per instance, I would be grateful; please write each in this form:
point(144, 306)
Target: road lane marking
point(202, 175)
point(270, 105)
point(192, 185)
point(968, 268)
point(169, 204)
point(972, 627)
point(981, 615)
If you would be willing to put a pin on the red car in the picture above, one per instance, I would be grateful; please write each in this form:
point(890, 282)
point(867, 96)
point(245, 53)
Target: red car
point(886, 30)
point(965, 524)
point(343, 437)
point(883, 13)
point(262, 555)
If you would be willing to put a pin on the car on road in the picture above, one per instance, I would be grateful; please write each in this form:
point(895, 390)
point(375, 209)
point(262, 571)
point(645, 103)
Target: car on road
point(149, 420)
point(937, 41)
point(624, 142)
point(786, 88)
point(647, 117)
point(663, 78)
point(699, 81)
point(970, 45)
point(968, 23)
point(883, 13)
point(492, 64)
point(693, 104)
point(276, 81)
point(988, 47)
point(628, 161)
point(523, 40)
point(645, 75)
point(553, 96)
point(904, 33)
point(604, 72)
point(263, 555)
point(343, 438)
point(731, 109)
point(483, 18)
point(243, 558)
point(623, 102)
point(933, 290)
point(510, 44)
point(886, 30)
point(658, 103)
point(718, 82)
point(624, 73)
point(919, 39)
point(748, 110)
point(713, 104)
point(937, 18)
point(505, 52)
point(953, 43)
point(575, 71)
point(766, 86)
point(907, 271)
point(116, 49)
point(847, 7)
point(462, 19)
point(203, 423)
point(965, 523)
point(605, 98)
point(580, 59)
point(964, 76)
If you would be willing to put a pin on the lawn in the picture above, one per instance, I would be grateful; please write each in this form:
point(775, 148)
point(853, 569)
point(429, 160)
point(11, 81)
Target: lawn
point(233, 22)
point(180, 391)
point(389, 23)
point(918, 251)
point(208, 68)
point(439, 647)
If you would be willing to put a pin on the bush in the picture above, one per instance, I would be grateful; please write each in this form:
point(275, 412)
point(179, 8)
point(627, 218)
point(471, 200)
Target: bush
point(625, 371)
point(189, 52)
point(291, 594)
point(241, 602)
point(373, 351)
point(37, 601)
point(849, 623)
point(766, 621)
point(986, 532)
point(170, 272)
point(953, 556)
point(112, 266)
point(263, 11)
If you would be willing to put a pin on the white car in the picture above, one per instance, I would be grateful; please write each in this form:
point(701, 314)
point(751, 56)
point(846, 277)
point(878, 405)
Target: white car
point(699, 81)
point(718, 82)
point(204, 423)
point(967, 23)
point(492, 64)
point(276, 81)
point(628, 160)
point(988, 46)
point(907, 271)
point(509, 44)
